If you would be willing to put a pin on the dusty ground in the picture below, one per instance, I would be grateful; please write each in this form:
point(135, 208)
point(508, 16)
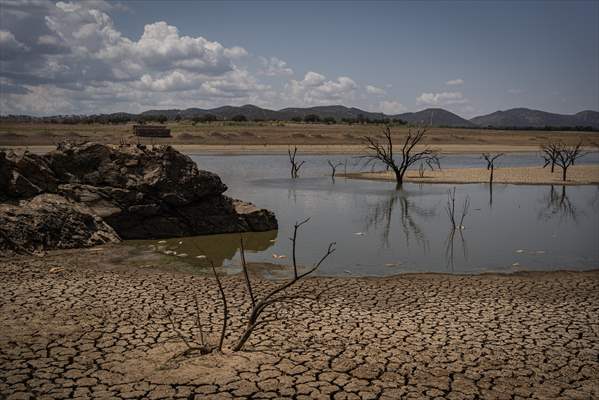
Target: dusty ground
point(276, 136)
point(97, 330)
point(577, 175)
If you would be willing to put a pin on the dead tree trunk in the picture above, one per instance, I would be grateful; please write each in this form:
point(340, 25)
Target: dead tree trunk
point(295, 165)
point(491, 163)
point(333, 166)
point(567, 155)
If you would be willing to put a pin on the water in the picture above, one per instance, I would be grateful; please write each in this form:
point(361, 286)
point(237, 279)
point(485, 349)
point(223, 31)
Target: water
point(382, 231)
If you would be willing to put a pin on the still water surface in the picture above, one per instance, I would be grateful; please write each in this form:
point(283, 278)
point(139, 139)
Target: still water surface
point(382, 231)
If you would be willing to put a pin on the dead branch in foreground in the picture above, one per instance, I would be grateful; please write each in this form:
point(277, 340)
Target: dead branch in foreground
point(276, 295)
point(276, 298)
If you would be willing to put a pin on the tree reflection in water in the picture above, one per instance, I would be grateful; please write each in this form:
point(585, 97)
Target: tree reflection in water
point(557, 204)
point(381, 214)
point(450, 247)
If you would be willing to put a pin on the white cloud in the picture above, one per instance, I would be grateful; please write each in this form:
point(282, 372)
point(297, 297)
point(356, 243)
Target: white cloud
point(274, 66)
point(443, 98)
point(71, 58)
point(453, 82)
point(391, 107)
point(9, 44)
point(315, 89)
point(515, 91)
point(370, 89)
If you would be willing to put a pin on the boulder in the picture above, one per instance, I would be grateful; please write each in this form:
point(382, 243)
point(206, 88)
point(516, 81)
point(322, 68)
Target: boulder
point(24, 175)
point(50, 221)
point(140, 192)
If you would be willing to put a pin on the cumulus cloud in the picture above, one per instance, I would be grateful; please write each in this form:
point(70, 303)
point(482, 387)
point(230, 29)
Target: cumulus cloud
point(9, 45)
point(70, 57)
point(370, 89)
point(443, 98)
point(79, 54)
point(274, 66)
point(391, 107)
point(315, 89)
point(453, 82)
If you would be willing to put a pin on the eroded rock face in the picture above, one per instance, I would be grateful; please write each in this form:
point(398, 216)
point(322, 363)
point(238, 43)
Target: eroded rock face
point(49, 221)
point(141, 192)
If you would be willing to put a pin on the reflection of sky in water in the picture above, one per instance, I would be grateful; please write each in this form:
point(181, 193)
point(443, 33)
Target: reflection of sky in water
point(380, 231)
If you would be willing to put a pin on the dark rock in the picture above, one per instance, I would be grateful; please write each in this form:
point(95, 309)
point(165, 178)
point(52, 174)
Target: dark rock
point(141, 192)
point(161, 170)
point(49, 221)
point(24, 175)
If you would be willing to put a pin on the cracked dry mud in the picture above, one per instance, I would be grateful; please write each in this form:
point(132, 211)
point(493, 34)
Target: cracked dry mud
point(97, 330)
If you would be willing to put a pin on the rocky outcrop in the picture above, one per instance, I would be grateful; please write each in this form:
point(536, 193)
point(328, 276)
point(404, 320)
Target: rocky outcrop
point(138, 191)
point(49, 221)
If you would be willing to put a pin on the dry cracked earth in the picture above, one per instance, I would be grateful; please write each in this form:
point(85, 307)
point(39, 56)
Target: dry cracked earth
point(98, 329)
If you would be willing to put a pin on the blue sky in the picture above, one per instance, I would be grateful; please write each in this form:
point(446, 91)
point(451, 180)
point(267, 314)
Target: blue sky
point(468, 57)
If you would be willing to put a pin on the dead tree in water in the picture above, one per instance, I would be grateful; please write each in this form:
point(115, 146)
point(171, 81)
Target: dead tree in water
point(334, 166)
point(491, 163)
point(295, 165)
point(383, 152)
point(451, 211)
point(567, 156)
point(550, 151)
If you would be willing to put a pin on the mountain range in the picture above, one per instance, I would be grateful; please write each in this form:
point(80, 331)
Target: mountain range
point(513, 118)
point(516, 118)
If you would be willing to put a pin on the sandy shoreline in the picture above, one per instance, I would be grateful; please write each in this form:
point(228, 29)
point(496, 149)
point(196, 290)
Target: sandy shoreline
point(235, 149)
point(97, 329)
point(577, 175)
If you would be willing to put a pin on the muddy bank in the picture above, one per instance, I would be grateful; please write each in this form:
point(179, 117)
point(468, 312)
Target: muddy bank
point(577, 175)
point(95, 328)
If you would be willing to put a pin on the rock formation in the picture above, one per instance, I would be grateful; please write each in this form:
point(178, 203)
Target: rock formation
point(81, 195)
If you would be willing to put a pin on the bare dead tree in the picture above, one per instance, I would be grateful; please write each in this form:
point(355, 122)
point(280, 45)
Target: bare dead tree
point(334, 166)
point(490, 159)
point(202, 347)
point(567, 156)
point(383, 152)
point(276, 299)
point(277, 295)
point(450, 208)
point(295, 165)
point(549, 151)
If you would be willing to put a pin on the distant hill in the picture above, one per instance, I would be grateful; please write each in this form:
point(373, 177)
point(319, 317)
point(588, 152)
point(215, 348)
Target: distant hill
point(589, 117)
point(336, 111)
point(520, 118)
point(436, 117)
point(527, 118)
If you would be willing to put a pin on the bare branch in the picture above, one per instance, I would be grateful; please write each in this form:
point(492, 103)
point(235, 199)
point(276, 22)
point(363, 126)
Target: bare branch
point(225, 310)
point(198, 323)
point(272, 297)
point(293, 240)
point(245, 271)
